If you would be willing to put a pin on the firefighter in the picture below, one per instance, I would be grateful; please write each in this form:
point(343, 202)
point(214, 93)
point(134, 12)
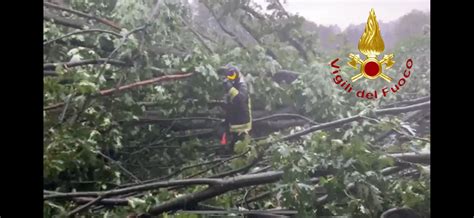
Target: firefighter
point(237, 107)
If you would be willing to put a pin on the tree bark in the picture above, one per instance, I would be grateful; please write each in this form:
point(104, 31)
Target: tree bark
point(82, 14)
point(63, 21)
point(52, 66)
point(223, 186)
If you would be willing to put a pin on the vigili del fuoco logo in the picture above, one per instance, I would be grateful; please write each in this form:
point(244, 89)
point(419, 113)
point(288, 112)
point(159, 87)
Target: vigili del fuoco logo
point(371, 45)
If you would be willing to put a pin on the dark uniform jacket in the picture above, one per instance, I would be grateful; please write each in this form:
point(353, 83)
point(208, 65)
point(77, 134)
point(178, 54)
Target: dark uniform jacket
point(238, 108)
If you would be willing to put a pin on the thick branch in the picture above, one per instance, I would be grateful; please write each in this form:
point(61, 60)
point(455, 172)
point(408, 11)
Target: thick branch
point(224, 185)
point(121, 167)
point(50, 73)
point(130, 86)
point(235, 38)
point(209, 38)
point(333, 124)
point(398, 110)
point(261, 127)
point(286, 76)
point(85, 206)
point(174, 173)
point(328, 125)
point(282, 8)
point(144, 187)
point(62, 21)
point(219, 161)
point(54, 106)
point(422, 158)
point(171, 120)
point(285, 115)
point(208, 211)
point(337, 123)
point(298, 47)
point(52, 66)
point(147, 119)
point(411, 101)
point(106, 201)
point(391, 170)
point(217, 187)
point(268, 127)
point(81, 32)
point(252, 12)
point(400, 212)
point(82, 14)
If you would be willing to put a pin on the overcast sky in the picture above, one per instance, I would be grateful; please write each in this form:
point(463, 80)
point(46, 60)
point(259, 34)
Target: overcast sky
point(345, 12)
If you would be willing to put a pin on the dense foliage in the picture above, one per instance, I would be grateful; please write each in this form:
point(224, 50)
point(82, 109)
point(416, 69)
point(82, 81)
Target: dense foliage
point(164, 130)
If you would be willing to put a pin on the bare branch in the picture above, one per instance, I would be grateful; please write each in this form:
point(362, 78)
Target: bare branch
point(145, 82)
point(54, 106)
point(209, 49)
point(144, 187)
point(411, 101)
point(105, 201)
point(241, 169)
point(263, 169)
point(224, 185)
point(284, 115)
point(62, 21)
point(255, 37)
point(410, 136)
point(82, 14)
point(218, 161)
point(398, 110)
point(52, 66)
point(235, 38)
point(130, 86)
point(85, 206)
point(50, 73)
point(399, 212)
point(252, 12)
point(391, 170)
point(340, 122)
point(219, 164)
point(120, 166)
point(153, 120)
point(423, 158)
point(154, 12)
point(81, 32)
point(268, 213)
point(262, 125)
point(174, 173)
point(407, 118)
point(259, 197)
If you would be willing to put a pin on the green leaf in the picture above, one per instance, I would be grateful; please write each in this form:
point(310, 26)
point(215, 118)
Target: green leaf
point(87, 87)
point(337, 142)
point(136, 202)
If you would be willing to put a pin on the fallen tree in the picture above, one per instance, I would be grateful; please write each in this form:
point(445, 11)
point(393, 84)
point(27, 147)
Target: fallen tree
point(121, 150)
point(220, 186)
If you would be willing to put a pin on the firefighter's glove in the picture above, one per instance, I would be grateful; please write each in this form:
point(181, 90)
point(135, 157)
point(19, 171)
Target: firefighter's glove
point(227, 85)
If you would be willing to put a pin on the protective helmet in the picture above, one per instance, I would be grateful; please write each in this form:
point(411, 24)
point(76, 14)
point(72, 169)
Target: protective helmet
point(231, 72)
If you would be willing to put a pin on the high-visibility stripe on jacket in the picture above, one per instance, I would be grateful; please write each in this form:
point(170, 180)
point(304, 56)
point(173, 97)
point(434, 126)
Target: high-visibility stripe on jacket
point(239, 110)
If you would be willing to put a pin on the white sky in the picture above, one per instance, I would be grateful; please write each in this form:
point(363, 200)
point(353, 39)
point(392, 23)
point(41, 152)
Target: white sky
point(345, 12)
